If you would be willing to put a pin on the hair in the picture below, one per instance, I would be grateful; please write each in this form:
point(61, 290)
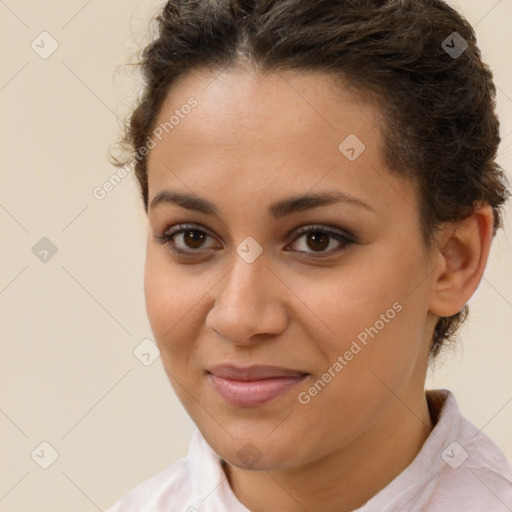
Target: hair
point(439, 124)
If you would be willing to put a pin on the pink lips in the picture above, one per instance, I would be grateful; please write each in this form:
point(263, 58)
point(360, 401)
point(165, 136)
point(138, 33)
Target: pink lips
point(249, 387)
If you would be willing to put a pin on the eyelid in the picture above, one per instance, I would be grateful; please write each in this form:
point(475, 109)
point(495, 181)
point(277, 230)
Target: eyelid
point(347, 238)
point(178, 229)
point(186, 226)
point(343, 237)
point(324, 229)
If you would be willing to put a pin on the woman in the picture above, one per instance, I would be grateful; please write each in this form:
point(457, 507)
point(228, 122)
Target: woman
point(322, 192)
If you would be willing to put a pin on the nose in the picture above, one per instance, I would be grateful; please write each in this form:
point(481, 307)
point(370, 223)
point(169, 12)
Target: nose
point(249, 304)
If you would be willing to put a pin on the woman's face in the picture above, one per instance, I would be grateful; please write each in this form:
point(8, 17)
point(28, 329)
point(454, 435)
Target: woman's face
point(339, 313)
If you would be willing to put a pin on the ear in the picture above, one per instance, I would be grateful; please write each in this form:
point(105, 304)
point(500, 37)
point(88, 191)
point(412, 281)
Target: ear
point(460, 257)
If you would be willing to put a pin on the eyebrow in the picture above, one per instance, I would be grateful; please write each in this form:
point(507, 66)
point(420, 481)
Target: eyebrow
point(278, 210)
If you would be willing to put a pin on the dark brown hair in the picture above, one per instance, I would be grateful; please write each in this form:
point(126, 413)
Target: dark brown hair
point(440, 127)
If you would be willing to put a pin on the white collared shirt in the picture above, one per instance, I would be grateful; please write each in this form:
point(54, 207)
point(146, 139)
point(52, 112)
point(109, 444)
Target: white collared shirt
point(458, 468)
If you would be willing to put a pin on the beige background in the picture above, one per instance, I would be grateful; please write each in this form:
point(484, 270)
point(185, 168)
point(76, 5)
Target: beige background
point(69, 376)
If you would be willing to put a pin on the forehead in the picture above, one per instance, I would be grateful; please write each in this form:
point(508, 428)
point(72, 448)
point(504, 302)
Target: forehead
point(238, 107)
point(280, 131)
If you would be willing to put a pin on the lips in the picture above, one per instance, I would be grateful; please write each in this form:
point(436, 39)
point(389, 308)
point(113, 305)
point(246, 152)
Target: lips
point(255, 385)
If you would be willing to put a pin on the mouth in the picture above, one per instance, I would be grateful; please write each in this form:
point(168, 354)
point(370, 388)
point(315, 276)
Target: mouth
point(255, 385)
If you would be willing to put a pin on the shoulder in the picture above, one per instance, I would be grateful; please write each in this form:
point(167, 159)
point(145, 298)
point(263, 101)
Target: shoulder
point(476, 473)
point(475, 487)
point(167, 489)
point(458, 466)
point(184, 485)
point(471, 470)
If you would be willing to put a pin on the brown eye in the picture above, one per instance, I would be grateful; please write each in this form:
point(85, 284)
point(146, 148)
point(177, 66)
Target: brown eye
point(316, 239)
point(194, 238)
point(184, 239)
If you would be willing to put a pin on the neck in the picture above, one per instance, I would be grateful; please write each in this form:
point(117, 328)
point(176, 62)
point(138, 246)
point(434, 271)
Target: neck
point(346, 478)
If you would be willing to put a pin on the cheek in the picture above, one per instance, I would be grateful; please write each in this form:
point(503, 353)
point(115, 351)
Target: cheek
point(177, 303)
point(348, 304)
point(365, 371)
point(158, 290)
point(376, 314)
point(170, 301)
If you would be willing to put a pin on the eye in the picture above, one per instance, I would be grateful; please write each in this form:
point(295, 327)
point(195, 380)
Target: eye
point(316, 237)
point(319, 238)
point(192, 238)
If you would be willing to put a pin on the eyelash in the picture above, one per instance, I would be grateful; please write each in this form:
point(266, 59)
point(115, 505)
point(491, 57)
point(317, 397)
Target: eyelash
point(167, 238)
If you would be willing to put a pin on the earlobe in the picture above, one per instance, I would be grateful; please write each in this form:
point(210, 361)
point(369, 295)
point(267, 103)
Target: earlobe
point(462, 252)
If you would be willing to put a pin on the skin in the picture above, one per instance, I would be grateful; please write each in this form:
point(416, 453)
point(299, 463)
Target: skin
point(252, 140)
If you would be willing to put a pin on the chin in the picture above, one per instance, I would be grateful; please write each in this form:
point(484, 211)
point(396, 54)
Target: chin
point(252, 447)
